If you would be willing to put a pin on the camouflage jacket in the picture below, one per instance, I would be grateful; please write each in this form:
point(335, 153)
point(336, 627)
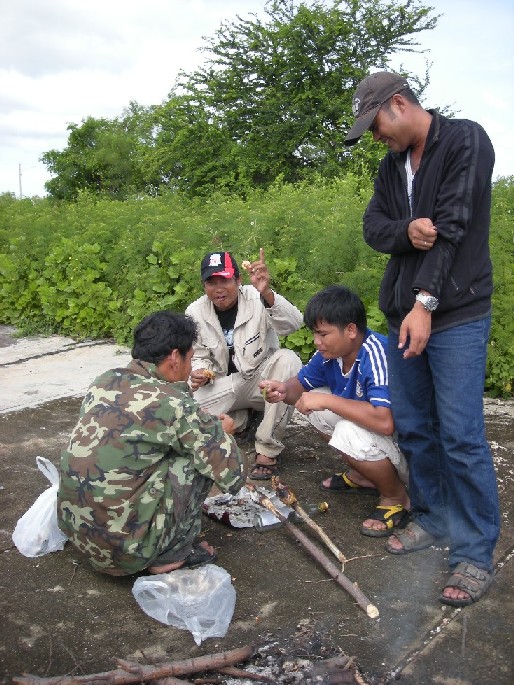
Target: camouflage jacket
point(141, 446)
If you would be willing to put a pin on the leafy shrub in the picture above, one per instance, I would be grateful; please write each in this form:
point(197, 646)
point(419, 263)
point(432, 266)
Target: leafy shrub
point(95, 267)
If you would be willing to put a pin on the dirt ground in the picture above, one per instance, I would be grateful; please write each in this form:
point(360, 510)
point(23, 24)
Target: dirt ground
point(60, 617)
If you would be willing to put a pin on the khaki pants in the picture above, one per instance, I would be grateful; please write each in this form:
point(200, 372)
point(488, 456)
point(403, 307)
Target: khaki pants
point(234, 395)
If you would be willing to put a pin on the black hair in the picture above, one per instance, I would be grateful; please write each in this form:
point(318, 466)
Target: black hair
point(158, 334)
point(337, 306)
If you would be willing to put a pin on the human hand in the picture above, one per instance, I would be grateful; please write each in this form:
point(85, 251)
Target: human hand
point(416, 327)
point(259, 274)
point(273, 391)
point(227, 423)
point(422, 234)
point(311, 401)
point(200, 377)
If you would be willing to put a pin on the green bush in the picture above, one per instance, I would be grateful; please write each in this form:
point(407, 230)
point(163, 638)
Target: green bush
point(500, 362)
point(95, 267)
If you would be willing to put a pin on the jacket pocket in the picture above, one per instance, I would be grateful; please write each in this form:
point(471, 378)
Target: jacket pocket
point(211, 343)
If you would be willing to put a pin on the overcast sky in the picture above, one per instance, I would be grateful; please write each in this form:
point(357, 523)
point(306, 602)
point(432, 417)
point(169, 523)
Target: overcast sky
point(64, 60)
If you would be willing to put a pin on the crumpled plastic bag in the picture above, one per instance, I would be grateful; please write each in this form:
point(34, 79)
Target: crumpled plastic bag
point(37, 532)
point(200, 600)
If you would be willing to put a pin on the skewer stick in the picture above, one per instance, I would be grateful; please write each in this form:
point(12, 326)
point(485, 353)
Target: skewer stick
point(287, 497)
point(320, 533)
point(337, 575)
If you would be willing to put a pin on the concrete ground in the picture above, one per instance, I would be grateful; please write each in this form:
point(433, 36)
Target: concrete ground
point(59, 617)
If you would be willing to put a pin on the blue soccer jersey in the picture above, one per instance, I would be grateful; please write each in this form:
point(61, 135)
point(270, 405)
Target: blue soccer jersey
point(367, 379)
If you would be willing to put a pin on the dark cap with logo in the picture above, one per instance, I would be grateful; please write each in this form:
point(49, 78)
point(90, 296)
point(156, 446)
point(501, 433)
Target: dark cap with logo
point(219, 264)
point(369, 96)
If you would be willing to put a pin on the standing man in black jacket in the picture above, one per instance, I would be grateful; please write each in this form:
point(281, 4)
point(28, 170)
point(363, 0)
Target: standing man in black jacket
point(430, 212)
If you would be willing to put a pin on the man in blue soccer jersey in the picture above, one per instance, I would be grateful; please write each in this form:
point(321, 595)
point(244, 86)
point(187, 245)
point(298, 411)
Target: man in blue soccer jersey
point(343, 391)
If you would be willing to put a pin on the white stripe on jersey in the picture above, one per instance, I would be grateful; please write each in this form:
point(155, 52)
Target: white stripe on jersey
point(380, 400)
point(377, 355)
point(306, 380)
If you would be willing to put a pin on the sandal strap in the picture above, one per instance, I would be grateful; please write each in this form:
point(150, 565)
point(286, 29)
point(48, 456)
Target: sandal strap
point(272, 465)
point(348, 482)
point(390, 511)
point(471, 579)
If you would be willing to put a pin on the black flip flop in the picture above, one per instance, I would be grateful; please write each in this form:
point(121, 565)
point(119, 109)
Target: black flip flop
point(198, 557)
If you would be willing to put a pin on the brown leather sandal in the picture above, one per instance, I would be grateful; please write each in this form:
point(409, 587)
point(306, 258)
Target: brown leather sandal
point(264, 471)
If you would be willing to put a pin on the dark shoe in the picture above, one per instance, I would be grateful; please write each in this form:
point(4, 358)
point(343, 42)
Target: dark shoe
point(413, 538)
point(341, 483)
point(248, 434)
point(264, 471)
point(471, 579)
point(198, 557)
point(393, 516)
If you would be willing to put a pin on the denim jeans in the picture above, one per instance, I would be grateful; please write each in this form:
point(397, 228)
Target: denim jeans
point(437, 402)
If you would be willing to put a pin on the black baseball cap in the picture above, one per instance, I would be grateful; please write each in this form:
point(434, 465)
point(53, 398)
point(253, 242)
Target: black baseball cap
point(219, 264)
point(369, 96)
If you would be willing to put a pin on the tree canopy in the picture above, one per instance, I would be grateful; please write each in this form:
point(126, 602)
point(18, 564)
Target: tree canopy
point(271, 101)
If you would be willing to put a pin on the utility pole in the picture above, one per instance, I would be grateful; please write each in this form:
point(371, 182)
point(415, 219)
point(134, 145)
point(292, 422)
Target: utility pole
point(19, 179)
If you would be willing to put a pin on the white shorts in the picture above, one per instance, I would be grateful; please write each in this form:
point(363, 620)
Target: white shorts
point(359, 443)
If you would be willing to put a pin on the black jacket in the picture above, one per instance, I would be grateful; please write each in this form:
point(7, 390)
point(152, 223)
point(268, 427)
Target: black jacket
point(452, 187)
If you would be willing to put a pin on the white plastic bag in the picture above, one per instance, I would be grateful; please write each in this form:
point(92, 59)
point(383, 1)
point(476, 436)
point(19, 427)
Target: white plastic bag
point(37, 532)
point(200, 600)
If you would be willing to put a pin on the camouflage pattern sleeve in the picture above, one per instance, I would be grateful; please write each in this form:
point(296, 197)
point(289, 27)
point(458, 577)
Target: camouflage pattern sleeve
point(214, 453)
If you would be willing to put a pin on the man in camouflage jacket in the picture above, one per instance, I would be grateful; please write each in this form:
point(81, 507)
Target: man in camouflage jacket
point(143, 457)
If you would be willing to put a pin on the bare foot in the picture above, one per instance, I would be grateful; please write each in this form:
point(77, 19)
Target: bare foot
point(166, 568)
point(454, 593)
point(394, 543)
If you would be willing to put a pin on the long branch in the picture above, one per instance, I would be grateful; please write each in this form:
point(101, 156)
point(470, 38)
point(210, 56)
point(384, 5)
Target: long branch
point(132, 672)
point(337, 575)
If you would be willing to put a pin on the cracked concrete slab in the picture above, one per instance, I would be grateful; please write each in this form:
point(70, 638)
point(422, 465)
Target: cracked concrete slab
point(59, 617)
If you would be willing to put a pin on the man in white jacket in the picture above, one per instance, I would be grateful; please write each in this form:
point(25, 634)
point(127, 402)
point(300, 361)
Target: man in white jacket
point(238, 346)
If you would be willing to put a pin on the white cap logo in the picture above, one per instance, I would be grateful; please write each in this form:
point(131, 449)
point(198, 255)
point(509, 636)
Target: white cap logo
point(215, 260)
point(355, 106)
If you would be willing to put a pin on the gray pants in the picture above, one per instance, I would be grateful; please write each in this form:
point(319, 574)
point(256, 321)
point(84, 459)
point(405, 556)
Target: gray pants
point(234, 395)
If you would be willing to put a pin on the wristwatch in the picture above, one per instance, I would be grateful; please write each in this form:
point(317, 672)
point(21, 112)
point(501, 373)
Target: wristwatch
point(428, 301)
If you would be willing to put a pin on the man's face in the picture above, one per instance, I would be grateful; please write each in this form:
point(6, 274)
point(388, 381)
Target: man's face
point(176, 367)
point(332, 342)
point(222, 292)
point(184, 365)
point(387, 128)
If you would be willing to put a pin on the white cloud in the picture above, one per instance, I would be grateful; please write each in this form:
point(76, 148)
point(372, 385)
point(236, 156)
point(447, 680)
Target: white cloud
point(64, 60)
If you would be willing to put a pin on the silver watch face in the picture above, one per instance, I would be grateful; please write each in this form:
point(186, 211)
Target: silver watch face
point(428, 301)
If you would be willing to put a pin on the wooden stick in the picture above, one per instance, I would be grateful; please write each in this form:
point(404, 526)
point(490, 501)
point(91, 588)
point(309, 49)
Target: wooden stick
point(241, 673)
point(287, 496)
point(340, 578)
point(320, 533)
point(132, 672)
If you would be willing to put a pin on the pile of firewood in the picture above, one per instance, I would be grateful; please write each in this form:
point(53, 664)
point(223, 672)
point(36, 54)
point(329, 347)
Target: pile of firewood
point(203, 670)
